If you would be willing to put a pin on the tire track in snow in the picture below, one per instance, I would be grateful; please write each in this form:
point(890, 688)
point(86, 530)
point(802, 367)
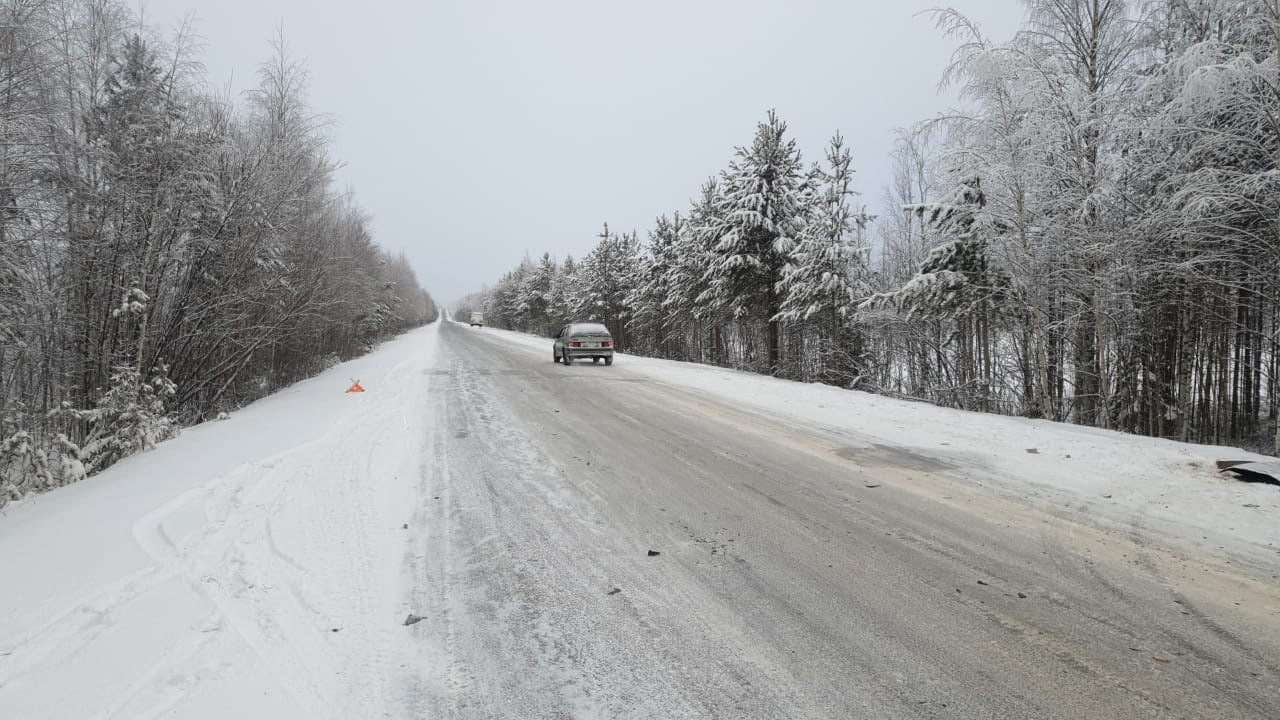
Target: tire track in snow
point(236, 561)
point(239, 582)
point(76, 627)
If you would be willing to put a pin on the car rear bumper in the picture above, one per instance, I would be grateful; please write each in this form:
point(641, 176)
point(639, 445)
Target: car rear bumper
point(588, 352)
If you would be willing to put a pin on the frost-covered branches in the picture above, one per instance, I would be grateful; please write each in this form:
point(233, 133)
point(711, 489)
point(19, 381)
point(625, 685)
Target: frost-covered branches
point(149, 228)
point(1092, 236)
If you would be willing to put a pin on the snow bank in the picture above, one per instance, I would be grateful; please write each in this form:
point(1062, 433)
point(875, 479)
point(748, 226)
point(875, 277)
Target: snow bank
point(208, 577)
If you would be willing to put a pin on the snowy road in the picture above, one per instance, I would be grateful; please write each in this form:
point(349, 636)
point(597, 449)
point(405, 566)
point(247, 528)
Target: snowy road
point(802, 574)
point(808, 568)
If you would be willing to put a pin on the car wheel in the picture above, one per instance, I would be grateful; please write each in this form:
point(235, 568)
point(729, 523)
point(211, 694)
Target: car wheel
point(566, 359)
point(608, 361)
point(554, 357)
point(595, 360)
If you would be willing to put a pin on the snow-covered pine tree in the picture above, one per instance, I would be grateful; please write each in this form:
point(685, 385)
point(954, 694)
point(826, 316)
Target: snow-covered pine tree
point(762, 209)
point(650, 326)
point(536, 294)
point(24, 467)
point(563, 294)
point(605, 278)
point(827, 274)
point(505, 308)
point(131, 416)
point(958, 278)
point(703, 316)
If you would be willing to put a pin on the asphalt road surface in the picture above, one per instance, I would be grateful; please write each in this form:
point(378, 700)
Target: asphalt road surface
point(799, 573)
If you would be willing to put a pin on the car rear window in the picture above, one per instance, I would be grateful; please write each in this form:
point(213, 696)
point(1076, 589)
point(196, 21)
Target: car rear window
point(589, 329)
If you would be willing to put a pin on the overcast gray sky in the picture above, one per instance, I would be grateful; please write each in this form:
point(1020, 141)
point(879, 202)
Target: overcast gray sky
point(476, 130)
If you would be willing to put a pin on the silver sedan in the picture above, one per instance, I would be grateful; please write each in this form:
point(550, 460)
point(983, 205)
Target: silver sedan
point(578, 341)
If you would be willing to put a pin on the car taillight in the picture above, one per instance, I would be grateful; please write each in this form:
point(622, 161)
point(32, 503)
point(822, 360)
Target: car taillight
point(607, 343)
point(575, 344)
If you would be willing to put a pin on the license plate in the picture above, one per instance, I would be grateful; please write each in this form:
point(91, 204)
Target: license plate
point(590, 345)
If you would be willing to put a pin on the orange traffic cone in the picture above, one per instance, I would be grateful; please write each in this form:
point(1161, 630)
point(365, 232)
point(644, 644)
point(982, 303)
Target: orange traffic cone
point(355, 387)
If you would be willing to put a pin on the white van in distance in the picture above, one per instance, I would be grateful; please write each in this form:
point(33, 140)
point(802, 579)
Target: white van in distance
point(477, 319)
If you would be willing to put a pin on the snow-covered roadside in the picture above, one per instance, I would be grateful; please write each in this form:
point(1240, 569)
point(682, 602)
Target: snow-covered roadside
point(1146, 485)
point(253, 567)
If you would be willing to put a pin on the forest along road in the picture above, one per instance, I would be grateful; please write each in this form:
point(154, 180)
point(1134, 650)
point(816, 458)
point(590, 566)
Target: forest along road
point(798, 576)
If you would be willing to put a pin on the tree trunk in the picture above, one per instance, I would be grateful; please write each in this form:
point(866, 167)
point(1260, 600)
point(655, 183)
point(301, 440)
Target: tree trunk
point(1086, 372)
point(1184, 361)
point(987, 381)
point(1275, 330)
point(773, 335)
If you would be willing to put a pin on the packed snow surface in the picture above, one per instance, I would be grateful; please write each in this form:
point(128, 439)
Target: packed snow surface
point(246, 567)
point(1168, 487)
